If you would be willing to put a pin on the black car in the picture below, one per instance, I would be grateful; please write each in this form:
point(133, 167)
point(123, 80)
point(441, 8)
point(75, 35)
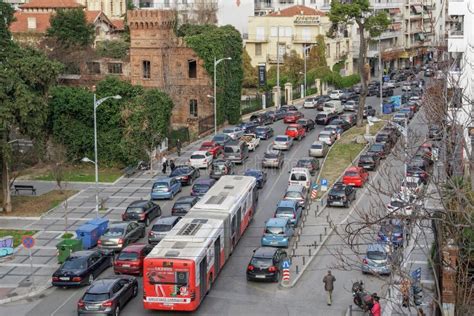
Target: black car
point(368, 111)
point(259, 175)
point(221, 167)
point(324, 118)
point(369, 161)
point(261, 119)
point(142, 211)
point(393, 130)
point(266, 264)
point(310, 163)
point(221, 139)
point(341, 195)
point(340, 123)
point(183, 204)
point(308, 124)
point(373, 90)
point(280, 114)
point(248, 127)
point(386, 137)
point(347, 95)
point(320, 102)
point(387, 92)
point(264, 132)
point(380, 149)
point(81, 268)
point(186, 174)
point(108, 296)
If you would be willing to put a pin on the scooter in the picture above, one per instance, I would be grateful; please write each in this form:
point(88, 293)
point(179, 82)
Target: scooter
point(361, 298)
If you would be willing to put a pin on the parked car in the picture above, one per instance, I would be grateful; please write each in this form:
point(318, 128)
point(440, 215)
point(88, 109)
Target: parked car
point(183, 204)
point(201, 159)
point(300, 175)
point(236, 151)
point(119, 235)
point(386, 137)
point(290, 209)
point(355, 176)
point(347, 95)
point(108, 296)
point(264, 132)
point(377, 259)
point(213, 148)
point(308, 124)
point(161, 227)
point(342, 124)
point(402, 204)
point(379, 149)
point(248, 127)
point(251, 140)
point(280, 114)
point(295, 131)
point(266, 264)
point(282, 142)
point(324, 118)
point(277, 233)
point(185, 174)
point(130, 259)
point(221, 139)
point(165, 188)
point(335, 94)
point(272, 159)
point(406, 87)
point(418, 168)
point(327, 137)
point(259, 175)
point(335, 129)
point(201, 186)
point(369, 111)
point(142, 211)
point(233, 132)
point(391, 231)
point(298, 193)
point(333, 106)
point(221, 167)
point(292, 116)
point(350, 118)
point(309, 163)
point(369, 161)
point(341, 195)
point(387, 92)
point(81, 268)
point(261, 119)
point(318, 149)
point(413, 186)
point(310, 103)
point(351, 105)
point(408, 111)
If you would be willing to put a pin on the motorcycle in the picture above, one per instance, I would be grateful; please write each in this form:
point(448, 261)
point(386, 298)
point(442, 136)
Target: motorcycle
point(143, 165)
point(361, 298)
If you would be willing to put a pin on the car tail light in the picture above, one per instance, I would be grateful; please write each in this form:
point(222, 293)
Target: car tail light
point(192, 293)
point(76, 279)
point(399, 237)
point(107, 303)
point(294, 215)
point(99, 242)
point(186, 177)
point(80, 304)
point(120, 241)
point(142, 216)
point(365, 261)
point(272, 269)
point(150, 233)
point(250, 267)
point(55, 279)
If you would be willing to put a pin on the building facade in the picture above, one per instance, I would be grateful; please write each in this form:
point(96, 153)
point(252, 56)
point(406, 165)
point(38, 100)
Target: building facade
point(294, 28)
point(160, 59)
point(114, 9)
point(264, 7)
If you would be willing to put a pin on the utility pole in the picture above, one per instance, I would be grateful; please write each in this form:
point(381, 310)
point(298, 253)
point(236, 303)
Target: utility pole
point(381, 76)
point(278, 67)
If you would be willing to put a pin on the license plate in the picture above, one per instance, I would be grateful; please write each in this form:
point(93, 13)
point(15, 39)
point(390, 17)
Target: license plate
point(126, 265)
point(260, 276)
point(64, 279)
point(92, 307)
point(273, 242)
point(352, 183)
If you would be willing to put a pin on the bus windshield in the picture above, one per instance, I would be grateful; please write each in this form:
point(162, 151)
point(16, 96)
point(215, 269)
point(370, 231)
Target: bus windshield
point(169, 277)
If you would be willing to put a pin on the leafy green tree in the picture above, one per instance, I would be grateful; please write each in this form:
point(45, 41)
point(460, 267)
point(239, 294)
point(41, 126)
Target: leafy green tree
point(360, 13)
point(70, 28)
point(250, 72)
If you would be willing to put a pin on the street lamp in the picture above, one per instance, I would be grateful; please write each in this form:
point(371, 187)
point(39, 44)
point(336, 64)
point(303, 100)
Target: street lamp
point(305, 54)
point(216, 62)
point(97, 103)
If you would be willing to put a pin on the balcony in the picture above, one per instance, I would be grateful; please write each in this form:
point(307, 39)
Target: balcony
point(299, 39)
point(256, 39)
point(388, 34)
point(413, 2)
point(386, 5)
point(457, 7)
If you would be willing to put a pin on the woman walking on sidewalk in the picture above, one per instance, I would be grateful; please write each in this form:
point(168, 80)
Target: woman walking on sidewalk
point(164, 164)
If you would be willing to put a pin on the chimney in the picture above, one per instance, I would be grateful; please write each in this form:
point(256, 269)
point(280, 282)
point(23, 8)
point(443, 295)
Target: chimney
point(31, 23)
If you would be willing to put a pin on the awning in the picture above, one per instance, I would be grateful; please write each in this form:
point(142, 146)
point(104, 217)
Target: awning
point(394, 10)
point(417, 8)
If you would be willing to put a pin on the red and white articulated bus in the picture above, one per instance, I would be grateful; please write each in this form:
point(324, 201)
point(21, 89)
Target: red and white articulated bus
point(180, 270)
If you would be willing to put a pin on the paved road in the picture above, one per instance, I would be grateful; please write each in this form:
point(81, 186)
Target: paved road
point(232, 294)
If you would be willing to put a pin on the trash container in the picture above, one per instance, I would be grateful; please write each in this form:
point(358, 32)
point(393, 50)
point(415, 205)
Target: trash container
point(387, 108)
point(66, 246)
point(101, 223)
point(89, 235)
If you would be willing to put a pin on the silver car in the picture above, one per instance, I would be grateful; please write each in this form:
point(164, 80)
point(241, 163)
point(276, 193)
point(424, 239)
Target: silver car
point(318, 149)
point(161, 227)
point(377, 259)
point(327, 137)
point(298, 193)
point(272, 159)
point(120, 235)
point(233, 132)
point(282, 142)
point(351, 105)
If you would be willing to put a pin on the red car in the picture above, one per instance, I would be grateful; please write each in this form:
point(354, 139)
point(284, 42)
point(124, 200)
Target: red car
point(130, 259)
point(355, 176)
point(295, 131)
point(213, 148)
point(292, 117)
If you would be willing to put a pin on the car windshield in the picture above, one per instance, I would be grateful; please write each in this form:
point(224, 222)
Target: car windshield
point(252, 173)
point(161, 228)
point(134, 210)
point(228, 149)
point(351, 174)
point(295, 176)
point(293, 195)
point(281, 139)
point(182, 206)
point(179, 171)
point(376, 147)
point(228, 130)
point(321, 116)
point(270, 155)
point(218, 167)
point(376, 255)
point(75, 263)
point(291, 129)
point(160, 186)
point(207, 146)
point(274, 230)
point(284, 211)
point(261, 262)
point(219, 138)
point(127, 256)
point(366, 158)
point(198, 156)
point(114, 232)
point(394, 229)
point(317, 146)
point(201, 186)
point(261, 129)
point(397, 204)
point(324, 136)
point(96, 297)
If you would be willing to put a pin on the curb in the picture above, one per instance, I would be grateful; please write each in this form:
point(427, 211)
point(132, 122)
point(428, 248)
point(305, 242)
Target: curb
point(25, 296)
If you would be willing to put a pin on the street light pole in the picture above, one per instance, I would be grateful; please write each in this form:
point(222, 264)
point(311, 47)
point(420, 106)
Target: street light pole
point(381, 77)
point(305, 49)
point(216, 62)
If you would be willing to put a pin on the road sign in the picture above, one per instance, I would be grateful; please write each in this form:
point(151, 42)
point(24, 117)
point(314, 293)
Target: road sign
point(416, 275)
point(314, 191)
point(286, 264)
point(28, 242)
point(324, 184)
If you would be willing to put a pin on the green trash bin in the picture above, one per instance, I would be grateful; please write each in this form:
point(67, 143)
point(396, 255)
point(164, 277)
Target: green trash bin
point(66, 246)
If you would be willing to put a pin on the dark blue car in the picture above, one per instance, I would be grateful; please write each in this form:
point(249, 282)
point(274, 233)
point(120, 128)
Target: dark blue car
point(264, 132)
point(248, 127)
point(259, 175)
point(393, 230)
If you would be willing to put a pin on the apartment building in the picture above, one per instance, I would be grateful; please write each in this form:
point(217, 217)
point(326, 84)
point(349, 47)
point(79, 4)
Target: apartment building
point(264, 7)
point(114, 9)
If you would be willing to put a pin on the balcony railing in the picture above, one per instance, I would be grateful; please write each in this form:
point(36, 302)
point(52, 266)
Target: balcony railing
point(174, 5)
point(386, 5)
point(256, 39)
point(456, 33)
point(389, 34)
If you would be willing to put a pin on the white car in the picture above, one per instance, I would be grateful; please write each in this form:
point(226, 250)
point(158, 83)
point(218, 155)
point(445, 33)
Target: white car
point(327, 137)
point(403, 204)
point(233, 132)
point(413, 186)
point(251, 140)
point(335, 94)
point(200, 159)
point(406, 87)
point(351, 105)
point(309, 103)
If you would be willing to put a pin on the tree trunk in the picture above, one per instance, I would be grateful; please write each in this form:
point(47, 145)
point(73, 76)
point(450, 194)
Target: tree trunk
point(7, 199)
point(363, 75)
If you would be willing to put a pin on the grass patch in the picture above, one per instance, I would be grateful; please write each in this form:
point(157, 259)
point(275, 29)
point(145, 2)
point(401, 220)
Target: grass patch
point(73, 173)
point(32, 206)
point(16, 234)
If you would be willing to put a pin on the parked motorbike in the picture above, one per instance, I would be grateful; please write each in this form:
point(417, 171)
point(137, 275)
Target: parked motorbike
point(361, 298)
point(143, 165)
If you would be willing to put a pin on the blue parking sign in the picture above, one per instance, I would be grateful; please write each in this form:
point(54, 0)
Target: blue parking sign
point(324, 182)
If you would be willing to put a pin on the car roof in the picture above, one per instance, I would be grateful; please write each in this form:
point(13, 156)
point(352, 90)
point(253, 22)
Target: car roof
point(287, 203)
point(184, 199)
point(137, 247)
point(119, 224)
point(265, 252)
point(276, 222)
point(102, 285)
point(306, 158)
point(293, 125)
point(381, 247)
point(204, 181)
point(295, 187)
point(353, 168)
point(199, 152)
point(299, 169)
point(253, 170)
point(233, 143)
point(138, 203)
point(209, 142)
point(165, 220)
point(285, 136)
point(323, 132)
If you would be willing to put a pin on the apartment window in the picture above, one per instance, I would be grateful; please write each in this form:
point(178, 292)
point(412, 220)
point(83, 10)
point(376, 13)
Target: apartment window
point(146, 69)
point(114, 68)
point(258, 49)
point(167, 3)
point(273, 31)
point(328, 50)
point(338, 50)
point(260, 36)
point(306, 34)
point(288, 31)
point(192, 68)
point(93, 68)
point(112, 7)
point(193, 107)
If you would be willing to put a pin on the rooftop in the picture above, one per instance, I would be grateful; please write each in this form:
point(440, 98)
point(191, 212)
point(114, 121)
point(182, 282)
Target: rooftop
point(55, 4)
point(297, 10)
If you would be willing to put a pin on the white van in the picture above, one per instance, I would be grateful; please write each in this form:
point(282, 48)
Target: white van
point(300, 176)
point(333, 106)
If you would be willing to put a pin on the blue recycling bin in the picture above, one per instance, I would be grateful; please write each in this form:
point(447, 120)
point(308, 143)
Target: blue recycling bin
point(101, 223)
point(88, 234)
point(387, 108)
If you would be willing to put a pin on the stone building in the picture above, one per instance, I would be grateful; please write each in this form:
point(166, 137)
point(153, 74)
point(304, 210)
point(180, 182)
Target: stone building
point(160, 59)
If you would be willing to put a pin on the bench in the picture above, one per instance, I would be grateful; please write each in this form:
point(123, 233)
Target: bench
point(19, 188)
point(130, 170)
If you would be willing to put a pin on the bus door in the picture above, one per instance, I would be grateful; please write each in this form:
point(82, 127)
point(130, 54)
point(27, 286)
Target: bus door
point(234, 228)
point(239, 223)
point(217, 256)
point(203, 277)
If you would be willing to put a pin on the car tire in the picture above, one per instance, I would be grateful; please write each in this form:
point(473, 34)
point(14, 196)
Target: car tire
point(147, 221)
point(135, 291)
point(143, 234)
point(91, 279)
point(117, 311)
point(172, 196)
point(277, 277)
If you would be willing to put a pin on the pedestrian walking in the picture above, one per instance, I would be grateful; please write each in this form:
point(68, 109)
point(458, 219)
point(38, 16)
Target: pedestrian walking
point(172, 165)
point(164, 164)
point(178, 147)
point(420, 312)
point(328, 281)
point(376, 309)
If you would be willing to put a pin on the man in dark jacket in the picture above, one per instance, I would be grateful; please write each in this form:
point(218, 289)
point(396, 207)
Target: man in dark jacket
point(328, 281)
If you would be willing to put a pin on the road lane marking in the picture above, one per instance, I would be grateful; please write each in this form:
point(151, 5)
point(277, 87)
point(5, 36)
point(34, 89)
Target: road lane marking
point(64, 303)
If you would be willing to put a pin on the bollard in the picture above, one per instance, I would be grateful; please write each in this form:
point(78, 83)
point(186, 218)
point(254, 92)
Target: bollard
point(297, 270)
point(304, 261)
point(315, 213)
point(327, 218)
point(325, 230)
point(315, 244)
point(320, 237)
point(309, 251)
point(350, 310)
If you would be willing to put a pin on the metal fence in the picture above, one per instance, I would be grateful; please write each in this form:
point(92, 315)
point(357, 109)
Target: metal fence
point(206, 124)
